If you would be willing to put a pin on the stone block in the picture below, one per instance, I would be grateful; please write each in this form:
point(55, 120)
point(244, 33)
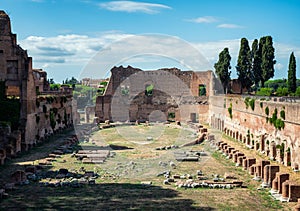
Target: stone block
point(263, 163)
point(282, 177)
point(294, 192)
point(270, 174)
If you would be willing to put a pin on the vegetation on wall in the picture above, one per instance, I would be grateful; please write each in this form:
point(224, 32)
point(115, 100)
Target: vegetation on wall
point(261, 104)
point(274, 120)
point(9, 108)
point(282, 114)
point(52, 119)
point(230, 110)
point(250, 102)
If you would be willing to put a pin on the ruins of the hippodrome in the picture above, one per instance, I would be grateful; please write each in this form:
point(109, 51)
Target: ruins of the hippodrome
point(32, 113)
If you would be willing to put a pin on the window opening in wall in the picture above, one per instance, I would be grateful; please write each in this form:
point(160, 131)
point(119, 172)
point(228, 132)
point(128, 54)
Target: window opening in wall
point(202, 90)
point(125, 90)
point(149, 90)
point(171, 116)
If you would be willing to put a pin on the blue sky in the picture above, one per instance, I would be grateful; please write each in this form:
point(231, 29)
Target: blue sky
point(62, 36)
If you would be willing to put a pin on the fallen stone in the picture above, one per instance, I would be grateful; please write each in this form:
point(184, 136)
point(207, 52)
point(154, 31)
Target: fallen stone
point(146, 183)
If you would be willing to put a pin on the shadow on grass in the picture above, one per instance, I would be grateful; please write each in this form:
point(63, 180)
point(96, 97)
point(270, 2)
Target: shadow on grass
point(109, 147)
point(107, 196)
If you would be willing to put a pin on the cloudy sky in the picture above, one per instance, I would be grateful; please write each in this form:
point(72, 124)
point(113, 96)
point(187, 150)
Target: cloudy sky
point(65, 36)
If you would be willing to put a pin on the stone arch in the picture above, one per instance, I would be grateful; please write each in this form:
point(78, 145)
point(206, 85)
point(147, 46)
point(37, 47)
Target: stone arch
point(140, 107)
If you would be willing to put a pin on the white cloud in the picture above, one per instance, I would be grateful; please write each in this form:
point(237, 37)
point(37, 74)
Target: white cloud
point(211, 50)
point(57, 54)
point(284, 50)
point(229, 26)
point(131, 6)
point(279, 66)
point(204, 19)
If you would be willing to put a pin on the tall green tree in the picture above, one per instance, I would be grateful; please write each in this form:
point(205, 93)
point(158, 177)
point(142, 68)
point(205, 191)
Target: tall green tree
point(267, 59)
point(256, 63)
point(292, 74)
point(243, 67)
point(222, 68)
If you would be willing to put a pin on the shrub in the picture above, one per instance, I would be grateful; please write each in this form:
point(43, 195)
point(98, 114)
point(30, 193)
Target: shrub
point(282, 114)
point(230, 110)
point(297, 93)
point(267, 111)
point(282, 91)
point(264, 92)
point(246, 101)
point(252, 104)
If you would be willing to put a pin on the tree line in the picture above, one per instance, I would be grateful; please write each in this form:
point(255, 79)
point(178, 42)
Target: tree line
point(254, 66)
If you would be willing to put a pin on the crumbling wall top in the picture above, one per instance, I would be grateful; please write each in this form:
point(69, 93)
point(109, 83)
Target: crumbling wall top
point(5, 28)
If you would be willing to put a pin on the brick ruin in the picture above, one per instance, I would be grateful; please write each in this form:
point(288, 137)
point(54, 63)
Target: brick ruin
point(39, 112)
point(175, 95)
point(267, 125)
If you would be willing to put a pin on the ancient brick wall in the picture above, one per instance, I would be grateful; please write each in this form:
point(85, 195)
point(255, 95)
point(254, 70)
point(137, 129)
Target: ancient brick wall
point(21, 82)
point(51, 108)
point(252, 125)
point(174, 91)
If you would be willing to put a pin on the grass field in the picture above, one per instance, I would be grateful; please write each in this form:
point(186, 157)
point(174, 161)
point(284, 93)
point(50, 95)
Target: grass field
point(119, 185)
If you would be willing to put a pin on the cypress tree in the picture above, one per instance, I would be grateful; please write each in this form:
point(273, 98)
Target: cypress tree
point(267, 59)
point(222, 68)
point(244, 65)
point(256, 63)
point(292, 74)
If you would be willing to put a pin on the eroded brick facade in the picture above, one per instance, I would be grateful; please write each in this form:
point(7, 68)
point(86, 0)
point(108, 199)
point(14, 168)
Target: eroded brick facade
point(174, 91)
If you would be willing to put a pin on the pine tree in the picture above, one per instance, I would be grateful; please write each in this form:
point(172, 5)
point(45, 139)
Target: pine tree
point(222, 68)
point(256, 63)
point(292, 74)
point(244, 65)
point(267, 59)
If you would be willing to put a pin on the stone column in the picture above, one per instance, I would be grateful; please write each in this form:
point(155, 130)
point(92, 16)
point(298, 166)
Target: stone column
point(272, 151)
point(251, 162)
point(252, 170)
point(263, 163)
point(287, 158)
point(285, 190)
point(262, 143)
point(240, 160)
point(278, 156)
point(258, 171)
point(273, 169)
point(282, 177)
point(275, 184)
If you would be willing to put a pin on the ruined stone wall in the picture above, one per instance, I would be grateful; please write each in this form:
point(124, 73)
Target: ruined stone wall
point(174, 91)
point(21, 82)
point(48, 108)
point(253, 127)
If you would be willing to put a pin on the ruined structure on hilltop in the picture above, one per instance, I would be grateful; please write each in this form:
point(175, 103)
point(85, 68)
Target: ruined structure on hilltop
point(29, 111)
point(133, 94)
